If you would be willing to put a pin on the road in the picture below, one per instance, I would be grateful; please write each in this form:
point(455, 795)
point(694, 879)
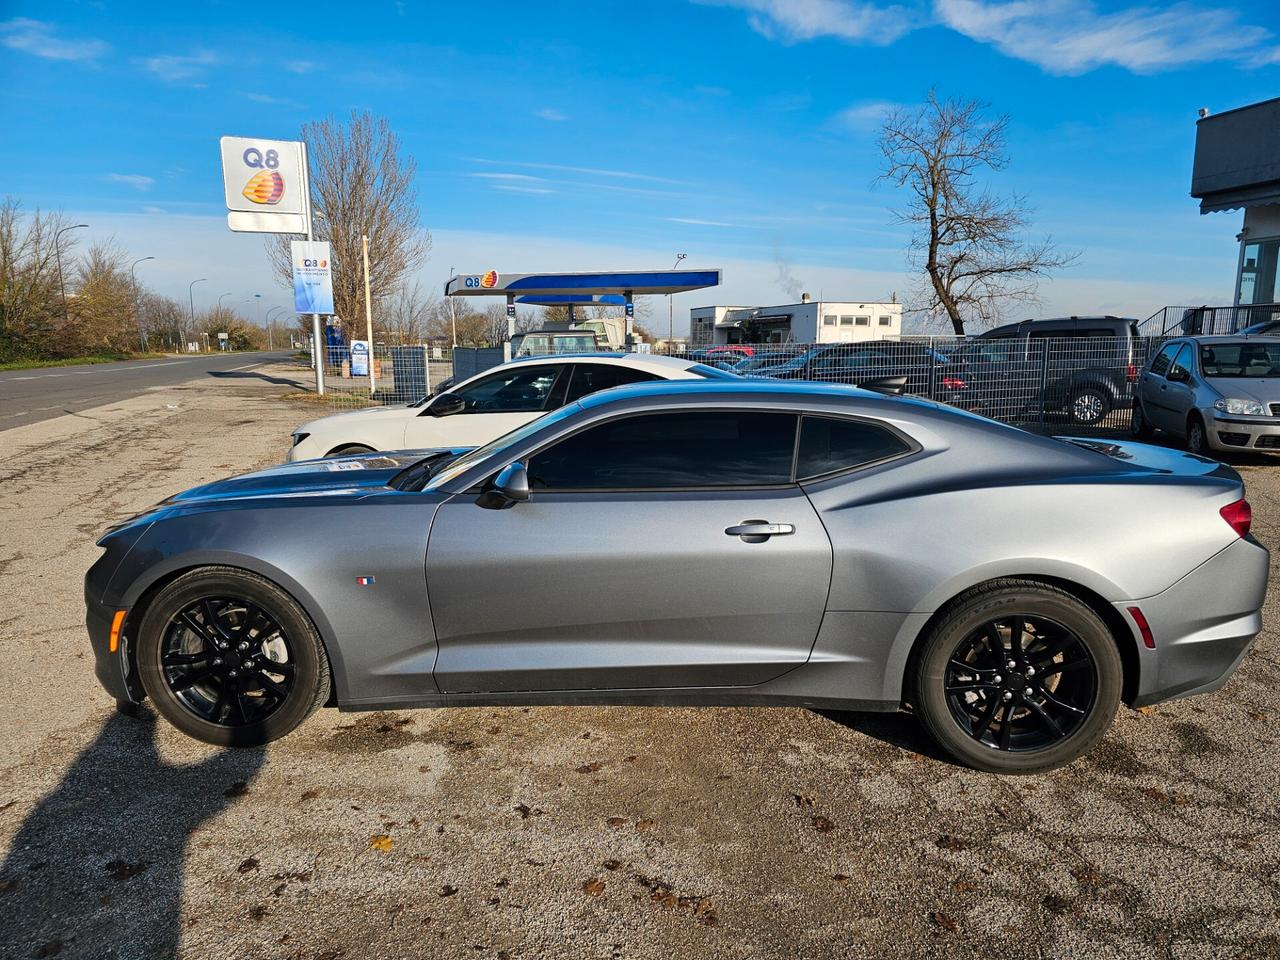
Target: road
point(29, 396)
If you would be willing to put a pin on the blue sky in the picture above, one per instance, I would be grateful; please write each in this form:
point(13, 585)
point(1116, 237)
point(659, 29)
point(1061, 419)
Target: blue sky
point(583, 135)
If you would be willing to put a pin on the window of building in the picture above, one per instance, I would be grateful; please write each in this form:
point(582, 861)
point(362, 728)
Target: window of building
point(862, 321)
point(829, 320)
point(846, 321)
point(665, 450)
point(828, 445)
point(886, 321)
point(1259, 281)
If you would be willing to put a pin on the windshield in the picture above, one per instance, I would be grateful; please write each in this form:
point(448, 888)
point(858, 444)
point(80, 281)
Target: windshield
point(1242, 359)
point(470, 459)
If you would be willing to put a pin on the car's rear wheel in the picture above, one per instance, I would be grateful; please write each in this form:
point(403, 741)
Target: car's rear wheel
point(1088, 405)
point(1139, 425)
point(1018, 677)
point(229, 658)
point(349, 450)
point(1197, 441)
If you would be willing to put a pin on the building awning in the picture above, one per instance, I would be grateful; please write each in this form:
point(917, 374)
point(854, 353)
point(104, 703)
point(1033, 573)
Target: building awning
point(617, 282)
point(1237, 158)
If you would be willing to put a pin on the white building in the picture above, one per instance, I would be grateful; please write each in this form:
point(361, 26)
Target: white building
point(809, 321)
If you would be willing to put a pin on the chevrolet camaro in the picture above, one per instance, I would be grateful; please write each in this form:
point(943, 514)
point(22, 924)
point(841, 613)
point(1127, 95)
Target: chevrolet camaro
point(745, 542)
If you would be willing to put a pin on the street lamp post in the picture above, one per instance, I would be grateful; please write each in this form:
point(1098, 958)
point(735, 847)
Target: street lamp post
point(57, 249)
point(670, 310)
point(191, 303)
point(270, 338)
point(137, 310)
point(453, 318)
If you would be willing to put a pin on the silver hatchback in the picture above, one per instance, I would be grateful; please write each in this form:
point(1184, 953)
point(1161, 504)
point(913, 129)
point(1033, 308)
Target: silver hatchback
point(1218, 393)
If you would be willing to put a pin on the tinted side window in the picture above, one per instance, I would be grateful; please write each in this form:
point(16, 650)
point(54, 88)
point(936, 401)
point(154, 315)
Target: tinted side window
point(828, 445)
point(1097, 332)
point(1182, 362)
point(590, 377)
point(1160, 365)
point(520, 389)
point(653, 451)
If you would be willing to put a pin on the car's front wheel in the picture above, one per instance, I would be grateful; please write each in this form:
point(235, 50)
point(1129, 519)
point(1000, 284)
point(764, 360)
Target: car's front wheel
point(1018, 677)
point(229, 658)
point(1197, 441)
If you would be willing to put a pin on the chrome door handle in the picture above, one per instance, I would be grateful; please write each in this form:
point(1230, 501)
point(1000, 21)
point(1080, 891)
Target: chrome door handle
point(757, 531)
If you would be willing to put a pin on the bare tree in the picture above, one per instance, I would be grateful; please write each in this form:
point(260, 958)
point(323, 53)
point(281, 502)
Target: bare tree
point(32, 313)
point(406, 314)
point(361, 183)
point(969, 243)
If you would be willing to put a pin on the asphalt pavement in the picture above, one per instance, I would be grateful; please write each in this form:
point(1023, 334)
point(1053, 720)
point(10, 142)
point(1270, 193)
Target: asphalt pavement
point(29, 396)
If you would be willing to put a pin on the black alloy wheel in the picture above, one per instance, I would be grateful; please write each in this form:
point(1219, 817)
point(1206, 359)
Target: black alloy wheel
point(1017, 676)
point(227, 661)
point(228, 657)
point(1020, 683)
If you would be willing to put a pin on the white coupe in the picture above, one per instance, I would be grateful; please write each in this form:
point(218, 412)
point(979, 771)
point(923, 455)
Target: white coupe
point(491, 403)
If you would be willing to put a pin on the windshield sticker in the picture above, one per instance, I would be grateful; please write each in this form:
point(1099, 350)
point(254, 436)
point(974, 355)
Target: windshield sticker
point(343, 465)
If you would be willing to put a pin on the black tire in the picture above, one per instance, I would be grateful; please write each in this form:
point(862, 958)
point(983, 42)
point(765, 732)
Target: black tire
point(1197, 439)
point(270, 686)
point(349, 450)
point(1139, 425)
point(1078, 688)
point(1089, 405)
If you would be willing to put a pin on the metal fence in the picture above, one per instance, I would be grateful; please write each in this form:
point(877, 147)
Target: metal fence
point(1190, 321)
point(1052, 385)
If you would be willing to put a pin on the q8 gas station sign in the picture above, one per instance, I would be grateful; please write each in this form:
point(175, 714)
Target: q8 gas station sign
point(265, 185)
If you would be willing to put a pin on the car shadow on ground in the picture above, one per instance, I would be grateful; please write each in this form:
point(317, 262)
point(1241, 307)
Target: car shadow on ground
point(898, 729)
point(96, 869)
point(250, 375)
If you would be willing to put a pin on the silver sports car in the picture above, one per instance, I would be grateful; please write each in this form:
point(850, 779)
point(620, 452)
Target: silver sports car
point(711, 543)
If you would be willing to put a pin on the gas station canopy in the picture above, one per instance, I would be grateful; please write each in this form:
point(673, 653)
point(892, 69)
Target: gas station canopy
point(624, 283)
point(575, 300)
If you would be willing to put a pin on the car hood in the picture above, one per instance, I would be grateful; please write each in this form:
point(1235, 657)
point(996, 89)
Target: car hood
point(332, 476)
point(1262, 389)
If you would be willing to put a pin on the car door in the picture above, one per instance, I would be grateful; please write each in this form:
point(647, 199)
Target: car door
point(1179, 393)
point(1153, 388)
point(636, 562)
point(493, 404)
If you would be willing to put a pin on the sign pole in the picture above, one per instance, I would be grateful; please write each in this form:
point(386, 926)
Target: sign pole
point(317, 346)
point(368, 314)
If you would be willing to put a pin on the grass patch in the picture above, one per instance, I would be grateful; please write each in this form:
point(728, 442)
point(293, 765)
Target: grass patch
point(79, 361)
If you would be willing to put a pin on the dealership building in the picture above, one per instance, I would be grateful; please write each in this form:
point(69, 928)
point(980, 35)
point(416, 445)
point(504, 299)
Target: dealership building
point(809, 321)
point(1237, 167)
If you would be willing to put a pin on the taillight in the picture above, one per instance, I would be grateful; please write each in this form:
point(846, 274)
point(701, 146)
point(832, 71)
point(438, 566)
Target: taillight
point(1131, 373)
point(954, 383)
point(1239, 516)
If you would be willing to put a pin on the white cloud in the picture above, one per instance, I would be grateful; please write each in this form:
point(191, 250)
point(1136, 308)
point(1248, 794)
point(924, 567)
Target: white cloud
point(174, 68)
point(864, 117)
point(589, 171)
point(518, 188)
point(136, 180)
point(503, 176)
point(272, 101)
point(796, 20)
point(154, 210)
point(36, 38)
point(299, 66)
point(1072, 36)
point(550, 113)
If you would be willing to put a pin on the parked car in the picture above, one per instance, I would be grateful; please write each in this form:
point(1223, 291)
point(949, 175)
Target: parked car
point(1216, 393)
point(929, 373)
point(765, 358)
point(731, 541)
point(487, 405)
point(1087, 365)
point(539, 343)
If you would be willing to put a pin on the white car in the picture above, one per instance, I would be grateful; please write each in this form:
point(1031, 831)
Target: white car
point(489, 404)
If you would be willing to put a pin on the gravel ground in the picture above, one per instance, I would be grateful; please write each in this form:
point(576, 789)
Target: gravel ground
point(574, 832)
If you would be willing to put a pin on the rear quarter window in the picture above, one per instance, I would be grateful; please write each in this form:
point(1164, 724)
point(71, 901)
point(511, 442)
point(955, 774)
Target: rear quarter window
point(829, 445)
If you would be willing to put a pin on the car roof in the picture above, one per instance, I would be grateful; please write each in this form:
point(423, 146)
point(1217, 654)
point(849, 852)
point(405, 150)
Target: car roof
point(741, 389)
point(1208, 338)
point(645, 359)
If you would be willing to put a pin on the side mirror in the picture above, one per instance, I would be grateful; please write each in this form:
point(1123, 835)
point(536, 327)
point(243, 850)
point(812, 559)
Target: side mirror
point(446, 405)
point(510, 486)
point(1178, 375)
